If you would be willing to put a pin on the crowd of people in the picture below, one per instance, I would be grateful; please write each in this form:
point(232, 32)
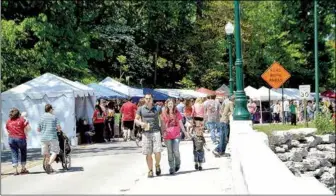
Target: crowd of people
point(177, 119)
point(18, 127)
point(292, 111)
point(160, 123)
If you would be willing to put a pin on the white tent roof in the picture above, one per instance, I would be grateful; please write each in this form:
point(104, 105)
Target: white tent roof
point(291, 93)
point(170, 92)
point(121, 88)
point(262, 94)
point(47, 85)
point(185, 93)
point(250, 91)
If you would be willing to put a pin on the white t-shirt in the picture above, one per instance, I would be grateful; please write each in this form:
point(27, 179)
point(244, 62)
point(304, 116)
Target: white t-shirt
point(286, 106)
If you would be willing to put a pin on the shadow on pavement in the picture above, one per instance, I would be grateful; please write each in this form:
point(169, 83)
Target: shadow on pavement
point(72, 169)
point(98, 151)
point(191, 171)
point(33, 154)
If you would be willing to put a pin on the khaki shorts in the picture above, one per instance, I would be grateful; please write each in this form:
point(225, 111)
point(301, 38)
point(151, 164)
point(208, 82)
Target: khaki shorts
point(50, 146)
point(151, 143)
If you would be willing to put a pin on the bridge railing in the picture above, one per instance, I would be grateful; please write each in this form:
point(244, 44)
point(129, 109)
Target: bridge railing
point(257, 170)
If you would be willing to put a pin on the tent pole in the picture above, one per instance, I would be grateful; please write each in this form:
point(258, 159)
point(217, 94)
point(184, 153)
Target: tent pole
point(269, 102)
point(261, 117)
point(283, 112)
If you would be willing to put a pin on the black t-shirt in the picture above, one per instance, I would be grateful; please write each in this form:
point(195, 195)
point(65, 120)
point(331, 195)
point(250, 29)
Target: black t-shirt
point(198, 143)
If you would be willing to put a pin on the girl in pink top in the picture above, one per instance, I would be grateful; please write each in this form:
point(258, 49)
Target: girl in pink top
point(198, 113)
point(172, 134)
point(198, 109)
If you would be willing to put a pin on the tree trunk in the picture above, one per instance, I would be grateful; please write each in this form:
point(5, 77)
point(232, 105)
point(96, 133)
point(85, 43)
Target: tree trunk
point(173, 78)
point(199, 5)
point(155, 61)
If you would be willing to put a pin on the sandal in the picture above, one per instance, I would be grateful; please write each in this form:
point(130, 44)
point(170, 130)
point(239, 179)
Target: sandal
point(16, 173)
point(150, 174)
point(24, 171)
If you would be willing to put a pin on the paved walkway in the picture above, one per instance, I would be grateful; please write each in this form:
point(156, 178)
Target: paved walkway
point(120, 168)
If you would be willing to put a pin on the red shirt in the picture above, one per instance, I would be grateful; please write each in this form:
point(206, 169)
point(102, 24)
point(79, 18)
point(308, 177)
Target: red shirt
point(128, 111)
point(98, 117)
point(16, 128)
point(188, 111)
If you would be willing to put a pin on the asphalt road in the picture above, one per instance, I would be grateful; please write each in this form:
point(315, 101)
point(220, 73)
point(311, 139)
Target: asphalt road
point(120, 168)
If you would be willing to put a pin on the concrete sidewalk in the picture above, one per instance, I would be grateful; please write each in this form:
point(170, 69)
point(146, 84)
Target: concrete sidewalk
point(215, 178)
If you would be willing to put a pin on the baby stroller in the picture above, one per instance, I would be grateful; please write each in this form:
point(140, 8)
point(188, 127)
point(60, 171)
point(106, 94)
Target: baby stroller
point(64, 154)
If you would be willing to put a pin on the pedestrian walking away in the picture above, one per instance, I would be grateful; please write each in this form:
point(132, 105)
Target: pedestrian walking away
point(17, 127)
point(172, 134)
point(48, 127)
point(224, 127)
point(212, 115)
point(148, 118)
point(198, 113)
point(128, 111)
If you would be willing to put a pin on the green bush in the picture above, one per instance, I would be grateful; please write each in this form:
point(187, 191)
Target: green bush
point(324, 124)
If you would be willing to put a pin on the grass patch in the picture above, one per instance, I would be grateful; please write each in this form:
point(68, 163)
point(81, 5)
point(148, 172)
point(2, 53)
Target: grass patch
point(324, 125)
point(269, 128)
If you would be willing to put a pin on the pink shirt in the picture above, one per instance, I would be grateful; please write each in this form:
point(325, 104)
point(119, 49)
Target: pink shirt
point(251, 107)
point(172, 120)
point(198, 110)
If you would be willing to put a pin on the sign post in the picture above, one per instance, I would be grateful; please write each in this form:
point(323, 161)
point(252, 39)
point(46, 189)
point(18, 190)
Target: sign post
point(275, 76)
point(304, 94)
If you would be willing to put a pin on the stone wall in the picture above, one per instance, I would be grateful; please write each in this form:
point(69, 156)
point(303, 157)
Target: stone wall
point(307, 154)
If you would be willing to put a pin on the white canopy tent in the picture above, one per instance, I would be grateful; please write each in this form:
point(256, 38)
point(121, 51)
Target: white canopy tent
point(250, 91)
point(291, 93)
point(182, 93)
point(69, 99)
point(169, 92)
point(121, 88)
point(185, 93)
point(264, 94)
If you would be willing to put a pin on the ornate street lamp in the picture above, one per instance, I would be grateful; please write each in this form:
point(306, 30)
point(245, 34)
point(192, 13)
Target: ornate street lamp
point(240, 110)
point(229, 32)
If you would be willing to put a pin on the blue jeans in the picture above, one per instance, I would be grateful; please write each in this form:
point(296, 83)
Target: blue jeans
point(199, 157)
point(223, 129)
point(173, 149)
point(287, 117)
point(16, 145)
point(212, 128)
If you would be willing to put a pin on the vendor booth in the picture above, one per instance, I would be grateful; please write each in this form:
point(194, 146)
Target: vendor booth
point(69, 99)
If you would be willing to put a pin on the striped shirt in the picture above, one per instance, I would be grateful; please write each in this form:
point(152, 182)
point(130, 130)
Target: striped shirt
point(48, 126)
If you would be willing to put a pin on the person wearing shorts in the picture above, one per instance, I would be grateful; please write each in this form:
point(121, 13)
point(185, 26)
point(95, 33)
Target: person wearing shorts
point(128, 111)
point(148, 117)
point(48, 127)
